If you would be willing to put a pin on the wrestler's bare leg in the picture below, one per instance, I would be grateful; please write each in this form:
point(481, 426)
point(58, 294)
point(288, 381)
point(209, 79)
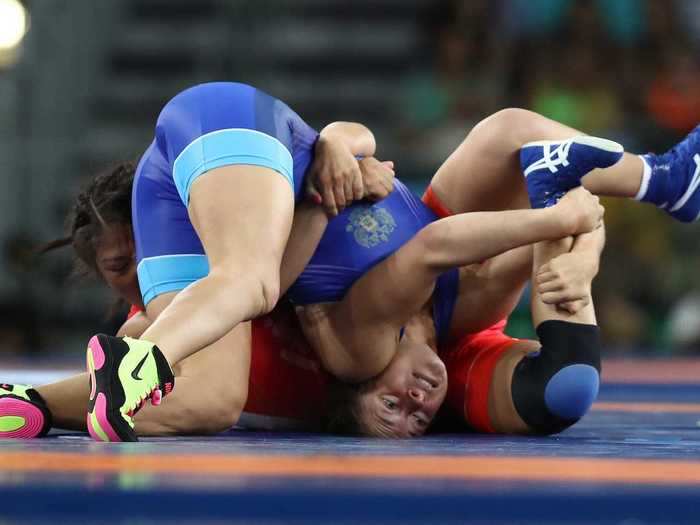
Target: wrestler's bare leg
point(484, 174)
point(211, 393)
point(503, 414)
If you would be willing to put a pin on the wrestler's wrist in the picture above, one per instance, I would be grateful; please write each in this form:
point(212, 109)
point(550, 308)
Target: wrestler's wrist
point(562, 223)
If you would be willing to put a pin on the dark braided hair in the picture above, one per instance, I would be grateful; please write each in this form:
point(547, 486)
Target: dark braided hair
point(105, 201)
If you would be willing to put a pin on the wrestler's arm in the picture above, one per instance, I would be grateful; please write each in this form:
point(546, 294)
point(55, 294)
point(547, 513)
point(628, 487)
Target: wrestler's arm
point(334, 179)
point(357, 137)
point(310, 220)
point(565, 281)
point(383, 300)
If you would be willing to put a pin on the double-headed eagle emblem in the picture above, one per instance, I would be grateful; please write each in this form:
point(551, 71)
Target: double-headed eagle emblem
point(370, 225)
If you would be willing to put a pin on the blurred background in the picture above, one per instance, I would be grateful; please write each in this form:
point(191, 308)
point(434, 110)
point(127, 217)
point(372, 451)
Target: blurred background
point(82, 82)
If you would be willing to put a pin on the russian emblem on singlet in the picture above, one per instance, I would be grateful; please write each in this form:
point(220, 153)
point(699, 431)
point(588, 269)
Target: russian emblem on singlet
point(370, 225)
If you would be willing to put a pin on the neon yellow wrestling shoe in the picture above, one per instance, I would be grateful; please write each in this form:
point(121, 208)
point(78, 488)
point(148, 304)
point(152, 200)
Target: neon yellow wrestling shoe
point(23, 412)
point(124, 374)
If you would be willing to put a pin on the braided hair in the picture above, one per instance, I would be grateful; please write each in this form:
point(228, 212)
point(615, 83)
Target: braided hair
point(105, 201)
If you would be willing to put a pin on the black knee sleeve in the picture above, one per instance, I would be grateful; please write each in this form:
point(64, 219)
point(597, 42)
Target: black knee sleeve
point(555, 387)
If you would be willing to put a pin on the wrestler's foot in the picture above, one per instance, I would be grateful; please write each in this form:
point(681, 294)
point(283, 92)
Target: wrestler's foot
point(552, 168)
point(23, 412)
point(124, 374)
point(671, 180)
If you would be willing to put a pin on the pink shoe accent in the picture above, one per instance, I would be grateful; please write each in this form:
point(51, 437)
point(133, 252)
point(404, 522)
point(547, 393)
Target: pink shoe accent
point(91, 371)
point(156, 398)
point(98, 355)
point(34, 419)
point(91, 430)
point(98, 360)
point(101, 414)
point(168, 388)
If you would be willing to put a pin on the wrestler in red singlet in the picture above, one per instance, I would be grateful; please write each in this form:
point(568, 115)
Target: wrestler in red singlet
point(288, 388)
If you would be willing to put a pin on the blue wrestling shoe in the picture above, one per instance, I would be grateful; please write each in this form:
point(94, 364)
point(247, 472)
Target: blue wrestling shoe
point(552, 168)
point(671, 180)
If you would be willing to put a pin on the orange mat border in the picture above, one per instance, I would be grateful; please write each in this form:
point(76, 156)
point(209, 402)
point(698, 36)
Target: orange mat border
point(681, 370)
point(668, 408)
point(593, 470)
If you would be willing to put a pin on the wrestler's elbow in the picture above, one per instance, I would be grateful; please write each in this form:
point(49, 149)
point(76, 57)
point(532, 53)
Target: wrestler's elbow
point(433, 247)
point(261, 286)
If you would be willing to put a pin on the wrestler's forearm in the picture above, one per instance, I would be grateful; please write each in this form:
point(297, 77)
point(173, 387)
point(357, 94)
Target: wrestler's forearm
point(590, 243)
point(356, 136)
point(394, 290)
point(310, 223)
point(470, 238)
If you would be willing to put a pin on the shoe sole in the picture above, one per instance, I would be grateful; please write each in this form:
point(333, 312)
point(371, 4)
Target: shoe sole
point(20, 419)
point(585, 140)
point(98, 423)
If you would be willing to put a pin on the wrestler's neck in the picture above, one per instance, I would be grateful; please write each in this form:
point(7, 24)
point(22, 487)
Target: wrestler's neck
point(421, 328)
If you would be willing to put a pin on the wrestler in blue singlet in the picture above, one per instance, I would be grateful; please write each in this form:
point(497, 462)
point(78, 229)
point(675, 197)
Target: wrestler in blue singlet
point(202, 128)
point(362, 236)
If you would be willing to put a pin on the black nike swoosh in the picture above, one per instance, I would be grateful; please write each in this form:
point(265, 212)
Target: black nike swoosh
point(135, 371)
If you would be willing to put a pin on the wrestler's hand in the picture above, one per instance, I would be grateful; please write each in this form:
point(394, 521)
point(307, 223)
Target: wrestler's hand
point(334, 179)
point(377, 177)
point(580, 211)
point(565, 281)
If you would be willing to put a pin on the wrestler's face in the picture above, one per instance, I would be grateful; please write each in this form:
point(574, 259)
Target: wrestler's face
point(116, 262)
point(403, 400)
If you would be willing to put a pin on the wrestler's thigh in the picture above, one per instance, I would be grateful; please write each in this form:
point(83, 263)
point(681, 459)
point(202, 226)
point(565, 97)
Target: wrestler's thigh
point(482, 174)
point(222, 369)
point(212, 389)
point(243, 216)
point(503, 415)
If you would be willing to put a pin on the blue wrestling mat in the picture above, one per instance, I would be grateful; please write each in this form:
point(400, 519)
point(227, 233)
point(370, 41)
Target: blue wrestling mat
point(634, 459)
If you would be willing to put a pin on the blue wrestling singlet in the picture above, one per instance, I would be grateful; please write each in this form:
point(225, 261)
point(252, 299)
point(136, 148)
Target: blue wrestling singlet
point(202, 128)
point(362, 236)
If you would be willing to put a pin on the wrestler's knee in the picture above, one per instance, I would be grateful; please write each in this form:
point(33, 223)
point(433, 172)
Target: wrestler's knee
point(266, 286)
point(552, 390)
point(260, 285)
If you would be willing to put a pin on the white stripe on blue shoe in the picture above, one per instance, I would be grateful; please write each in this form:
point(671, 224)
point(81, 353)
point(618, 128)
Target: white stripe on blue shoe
point(552, 168)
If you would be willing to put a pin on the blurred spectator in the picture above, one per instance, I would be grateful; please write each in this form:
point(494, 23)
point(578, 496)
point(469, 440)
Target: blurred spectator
point(684, 324)
point(689, 15)
point(674, 97)
point(461, 84)
point(574, 90)
point(622, 20)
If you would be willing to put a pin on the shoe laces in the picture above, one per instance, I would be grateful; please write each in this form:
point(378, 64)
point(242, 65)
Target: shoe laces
point(155, 395)
point(552, 158)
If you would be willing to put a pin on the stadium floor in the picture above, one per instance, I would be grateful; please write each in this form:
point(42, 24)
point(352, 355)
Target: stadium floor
point(634, 459)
